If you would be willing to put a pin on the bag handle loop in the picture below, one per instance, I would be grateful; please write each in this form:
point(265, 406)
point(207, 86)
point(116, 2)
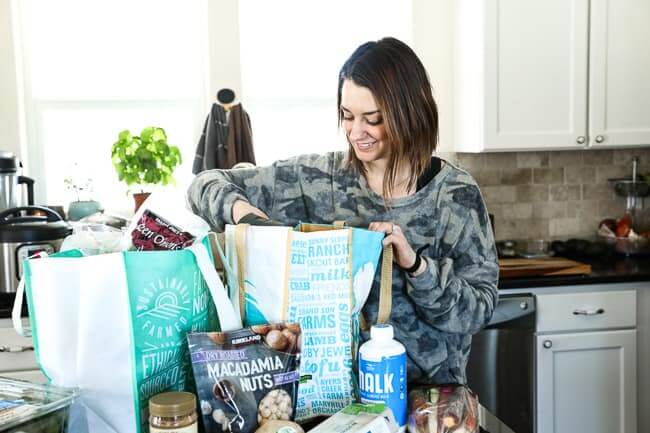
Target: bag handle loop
point(228, 319)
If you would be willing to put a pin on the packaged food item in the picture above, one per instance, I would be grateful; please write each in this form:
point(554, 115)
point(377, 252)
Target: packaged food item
point(247, 377)
point(163, 222)
point(359, 418)
point(442, 409)
point(382, 372)
point(173, 412)
point(27, 407)
point(153, 233)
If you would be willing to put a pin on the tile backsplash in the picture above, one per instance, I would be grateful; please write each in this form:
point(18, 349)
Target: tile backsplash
point(556, 194)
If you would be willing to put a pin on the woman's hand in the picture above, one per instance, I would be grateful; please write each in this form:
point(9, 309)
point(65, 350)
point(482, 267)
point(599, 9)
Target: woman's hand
point(403, 253)
point(242, 208)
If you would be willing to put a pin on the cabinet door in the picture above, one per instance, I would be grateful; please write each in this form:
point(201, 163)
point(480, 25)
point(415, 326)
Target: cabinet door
point(536, 74)
point(619, 83)
point(586, 382)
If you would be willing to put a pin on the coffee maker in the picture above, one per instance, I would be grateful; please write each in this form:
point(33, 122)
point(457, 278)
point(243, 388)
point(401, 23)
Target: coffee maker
point(10, 181)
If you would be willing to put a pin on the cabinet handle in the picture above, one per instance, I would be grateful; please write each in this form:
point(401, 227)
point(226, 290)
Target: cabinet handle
point(16, 349)
point(581, 139)
point(588, 312)
point(547, 344)
point(600, 139)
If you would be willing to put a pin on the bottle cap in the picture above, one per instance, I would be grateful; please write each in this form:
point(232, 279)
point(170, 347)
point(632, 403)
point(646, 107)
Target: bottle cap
point(381, 332)
point(172, 404)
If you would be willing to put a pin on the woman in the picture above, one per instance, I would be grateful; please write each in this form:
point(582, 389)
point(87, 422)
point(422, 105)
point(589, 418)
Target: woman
point(445, 281)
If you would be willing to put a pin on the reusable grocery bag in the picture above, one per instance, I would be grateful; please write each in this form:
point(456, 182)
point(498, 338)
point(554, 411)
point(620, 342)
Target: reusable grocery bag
point(319, 276)
point(115, 326)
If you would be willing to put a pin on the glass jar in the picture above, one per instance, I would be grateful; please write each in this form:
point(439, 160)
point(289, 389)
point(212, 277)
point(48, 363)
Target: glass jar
point(173, 412)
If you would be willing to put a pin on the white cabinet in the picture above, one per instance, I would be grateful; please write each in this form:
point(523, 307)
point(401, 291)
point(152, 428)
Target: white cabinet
point(586, 357)
point(586, 382)
point(555, 74)
point(619, 67)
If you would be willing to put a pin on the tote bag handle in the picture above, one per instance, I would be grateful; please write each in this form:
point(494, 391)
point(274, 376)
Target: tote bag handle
point(24, 331)
point(227, 317)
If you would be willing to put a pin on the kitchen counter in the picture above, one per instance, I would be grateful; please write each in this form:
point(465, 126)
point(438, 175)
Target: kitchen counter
point(604, 270)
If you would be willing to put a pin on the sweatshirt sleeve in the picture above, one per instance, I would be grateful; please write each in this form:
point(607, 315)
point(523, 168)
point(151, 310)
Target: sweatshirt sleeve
point(282, 190)
point(458, 292)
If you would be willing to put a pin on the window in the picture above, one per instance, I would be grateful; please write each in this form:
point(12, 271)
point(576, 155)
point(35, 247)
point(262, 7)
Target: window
point(291, 54)
point(92, 69)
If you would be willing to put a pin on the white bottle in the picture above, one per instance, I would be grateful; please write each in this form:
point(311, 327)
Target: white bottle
point(382, 372)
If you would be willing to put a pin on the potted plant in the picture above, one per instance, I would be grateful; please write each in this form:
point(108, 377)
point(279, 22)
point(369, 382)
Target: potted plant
point(144, 160)
point(84, 205)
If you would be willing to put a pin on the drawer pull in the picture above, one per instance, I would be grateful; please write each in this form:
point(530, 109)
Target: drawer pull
point(588, 312)
point(16, 349)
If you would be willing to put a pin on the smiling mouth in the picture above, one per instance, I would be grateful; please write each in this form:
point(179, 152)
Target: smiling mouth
point(366, 145)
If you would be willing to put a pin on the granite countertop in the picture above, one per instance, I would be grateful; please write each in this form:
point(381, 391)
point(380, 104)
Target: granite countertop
point(604, 270)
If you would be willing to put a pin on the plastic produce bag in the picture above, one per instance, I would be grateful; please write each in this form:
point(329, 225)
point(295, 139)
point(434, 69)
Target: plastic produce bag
point(443, 409)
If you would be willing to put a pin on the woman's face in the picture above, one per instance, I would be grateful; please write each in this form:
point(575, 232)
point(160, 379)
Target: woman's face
point(363, 123)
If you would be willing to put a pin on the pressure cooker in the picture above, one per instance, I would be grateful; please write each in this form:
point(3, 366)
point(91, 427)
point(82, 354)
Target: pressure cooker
point(10, 179)
point(23, 235)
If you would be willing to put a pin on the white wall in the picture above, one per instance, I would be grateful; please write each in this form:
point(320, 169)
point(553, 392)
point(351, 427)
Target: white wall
point(223, 31)
point(10, 136)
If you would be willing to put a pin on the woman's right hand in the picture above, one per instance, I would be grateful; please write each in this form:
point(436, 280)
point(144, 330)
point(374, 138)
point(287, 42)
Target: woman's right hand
point(242, 208)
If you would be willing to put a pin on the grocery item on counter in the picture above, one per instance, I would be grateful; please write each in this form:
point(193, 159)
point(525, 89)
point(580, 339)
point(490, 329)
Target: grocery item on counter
point(319, 276)
point(29, 407)
point(382, 372)
point(442, 409)
point(246, 377)
point(359, 418)
point(173, 412)
point(277, 426)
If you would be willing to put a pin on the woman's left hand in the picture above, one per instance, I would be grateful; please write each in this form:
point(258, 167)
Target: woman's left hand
point(403, 253)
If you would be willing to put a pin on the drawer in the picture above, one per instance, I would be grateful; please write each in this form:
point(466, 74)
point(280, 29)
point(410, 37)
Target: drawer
point(585, 311)
point(16, 352)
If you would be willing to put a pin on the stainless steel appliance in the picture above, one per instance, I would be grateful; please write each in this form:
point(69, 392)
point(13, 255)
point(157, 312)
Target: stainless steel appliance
point(23, 235)
point(501, 366)
point(10, 180)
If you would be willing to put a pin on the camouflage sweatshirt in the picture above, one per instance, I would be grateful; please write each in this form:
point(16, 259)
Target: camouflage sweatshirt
point(434, 313)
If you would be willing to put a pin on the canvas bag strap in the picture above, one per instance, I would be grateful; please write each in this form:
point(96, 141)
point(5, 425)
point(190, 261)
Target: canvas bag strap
point(386, 285)
point(240, 247)
point(227, 317)
point(17, 309)
point(18, 303)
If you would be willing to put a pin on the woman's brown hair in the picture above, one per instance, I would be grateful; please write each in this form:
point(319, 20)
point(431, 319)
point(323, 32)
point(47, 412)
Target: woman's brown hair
point(399, 83)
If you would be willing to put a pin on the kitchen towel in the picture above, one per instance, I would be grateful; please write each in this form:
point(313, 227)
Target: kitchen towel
point(115, 326)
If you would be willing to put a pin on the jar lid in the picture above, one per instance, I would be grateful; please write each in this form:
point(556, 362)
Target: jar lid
point(171, 404)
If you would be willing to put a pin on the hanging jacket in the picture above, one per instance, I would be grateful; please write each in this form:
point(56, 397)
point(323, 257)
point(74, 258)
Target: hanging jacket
point(226, 140)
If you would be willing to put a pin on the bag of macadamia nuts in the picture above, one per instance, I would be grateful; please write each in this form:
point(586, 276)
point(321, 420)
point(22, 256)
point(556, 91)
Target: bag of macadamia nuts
point(246, 377)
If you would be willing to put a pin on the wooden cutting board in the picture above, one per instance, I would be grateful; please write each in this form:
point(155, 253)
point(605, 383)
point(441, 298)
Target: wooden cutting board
point(517, 268)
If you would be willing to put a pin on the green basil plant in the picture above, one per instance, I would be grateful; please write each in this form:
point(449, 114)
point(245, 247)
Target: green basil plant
point(146, 159)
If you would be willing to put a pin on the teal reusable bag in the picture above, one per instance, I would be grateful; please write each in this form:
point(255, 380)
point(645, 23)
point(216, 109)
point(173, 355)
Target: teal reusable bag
point(115, 325)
